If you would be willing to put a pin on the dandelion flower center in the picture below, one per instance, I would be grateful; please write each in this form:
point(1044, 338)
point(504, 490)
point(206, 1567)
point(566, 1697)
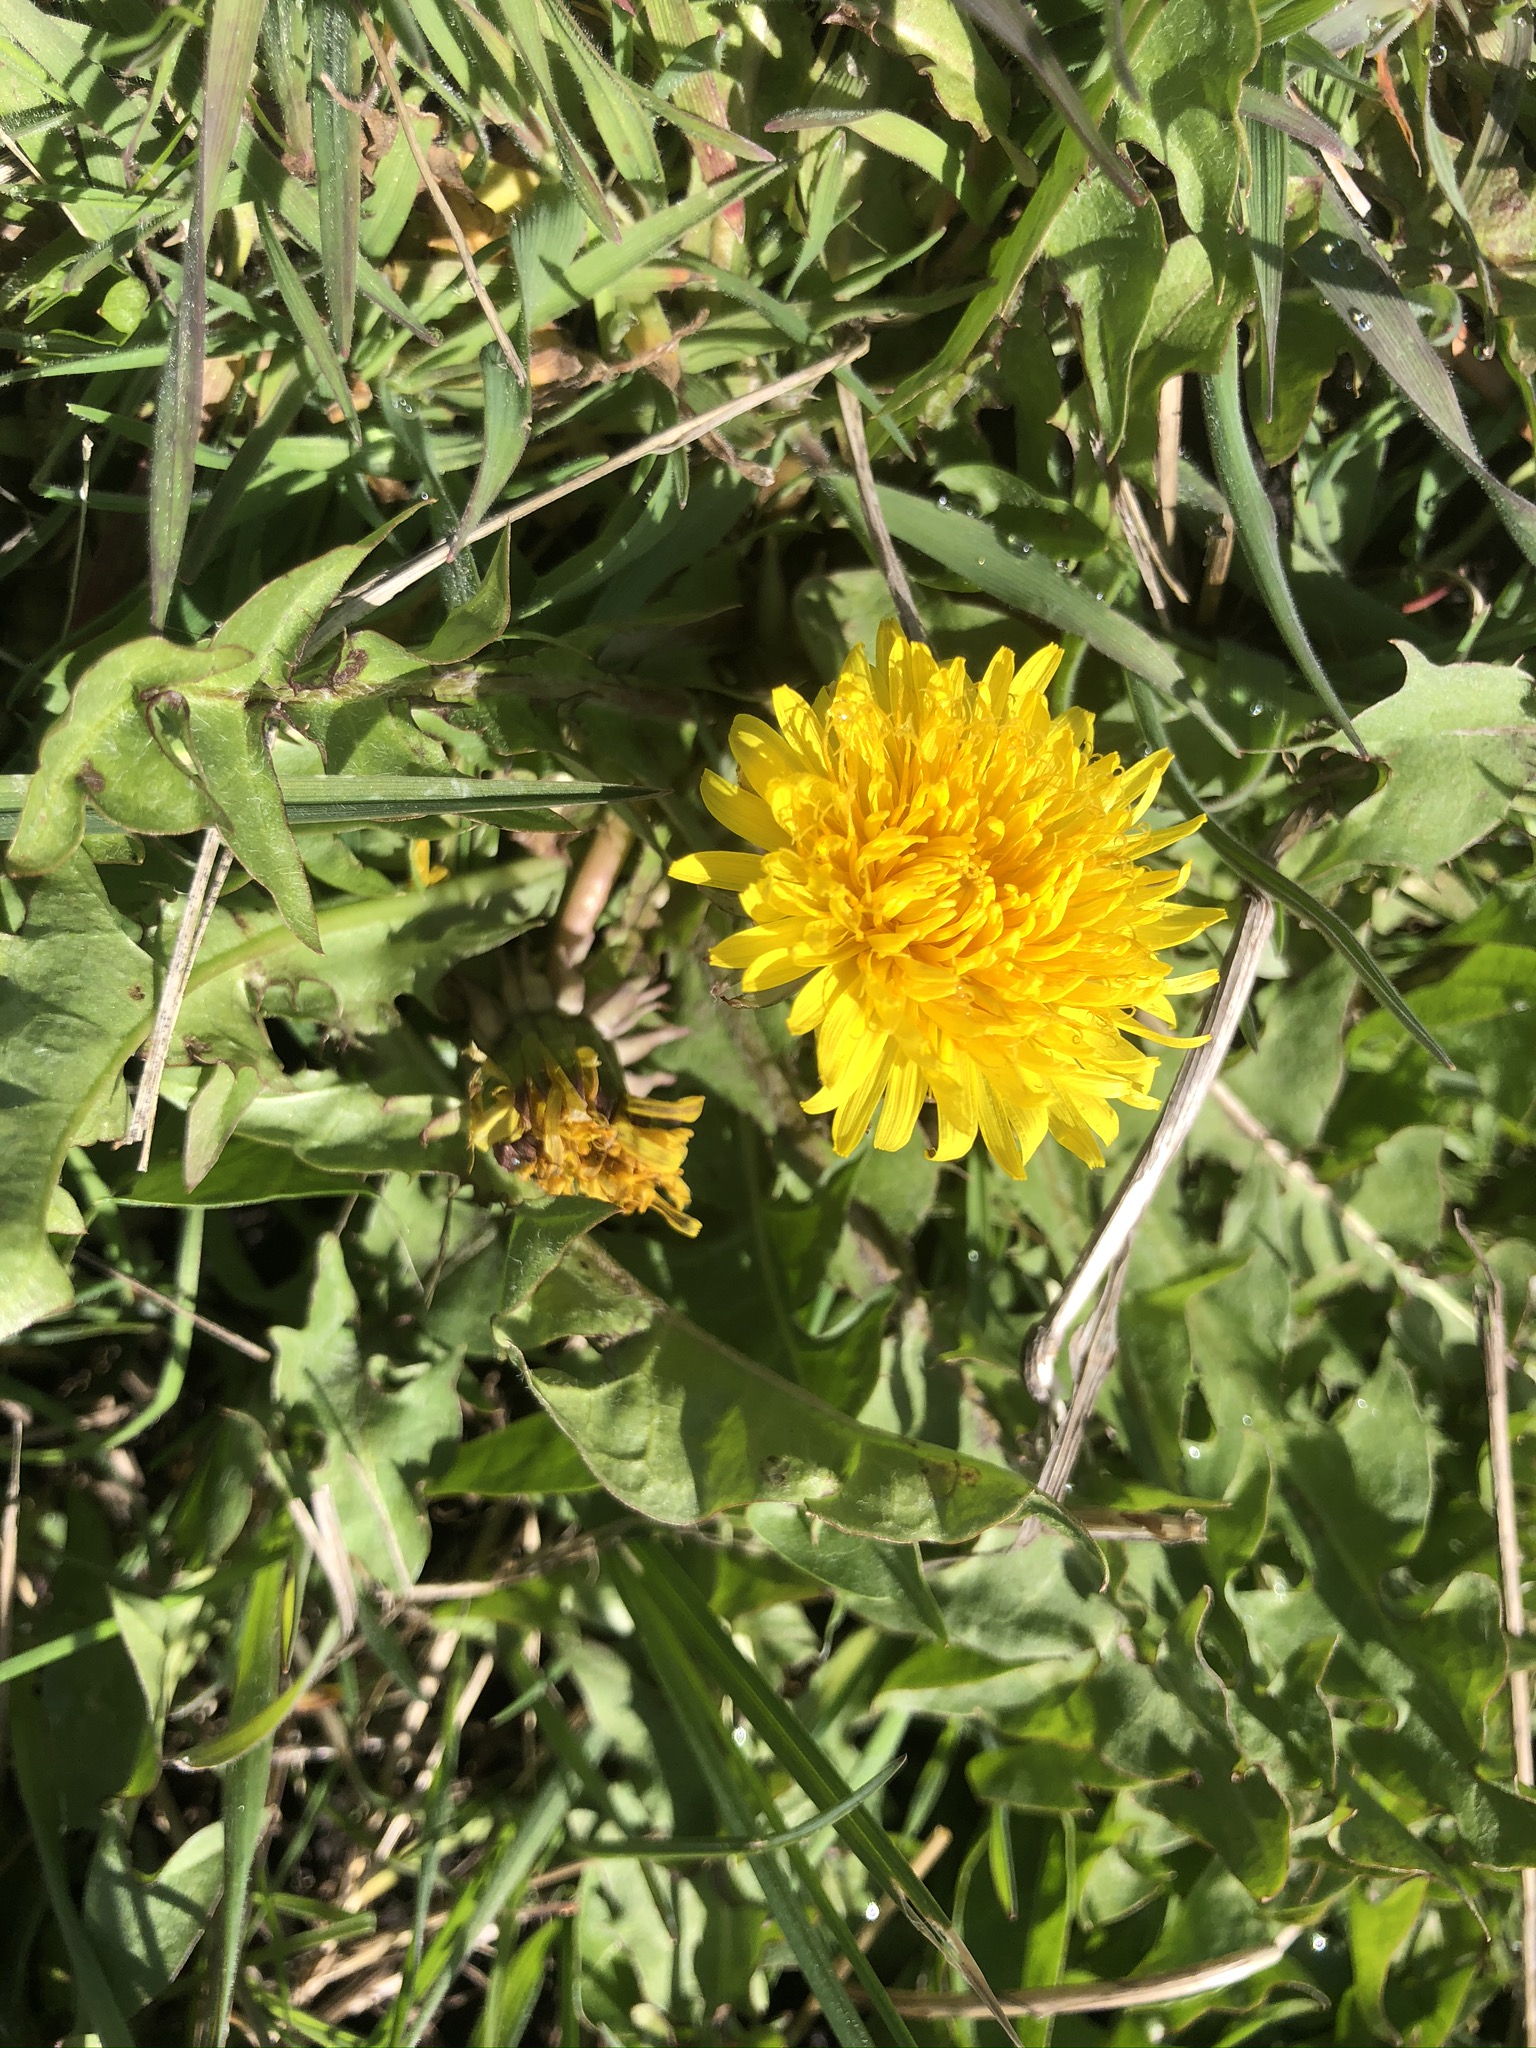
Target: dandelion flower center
point(955, 877)
point(565, 1136)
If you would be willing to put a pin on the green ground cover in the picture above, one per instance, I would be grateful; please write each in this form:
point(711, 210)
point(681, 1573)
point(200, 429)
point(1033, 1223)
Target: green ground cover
point(437, 1607)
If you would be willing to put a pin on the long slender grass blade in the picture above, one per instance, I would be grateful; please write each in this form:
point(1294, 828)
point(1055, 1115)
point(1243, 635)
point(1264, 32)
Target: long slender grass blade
point(33, 1771)
point(1268, 151)
point(1016, 25)
point(1254, 518)
point(1348, 273)
point(243, 1805)
point(301, 310)
point(508, 414)
point(231, 52)
point(336, 82)
point(678, 1599)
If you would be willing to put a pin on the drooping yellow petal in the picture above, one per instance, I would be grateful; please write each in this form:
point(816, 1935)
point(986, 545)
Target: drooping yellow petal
point(733, 871)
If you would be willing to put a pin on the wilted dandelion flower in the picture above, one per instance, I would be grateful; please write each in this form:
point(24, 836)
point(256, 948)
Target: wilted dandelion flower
point(569, 1136)
point(955, 877)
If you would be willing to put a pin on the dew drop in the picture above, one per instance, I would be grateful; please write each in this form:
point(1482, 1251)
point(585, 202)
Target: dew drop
point(1194, 1451)
point(943, 501)
point(405, 408)
point(871, 1911)
point(1520, 1005)
point(1319, 1943)
point(1061, 561)
point(1436, 54)
point(1359, 320)
point(739, 1736)
point(1247, 1422)
point(973, 1257)
point(1026, 547)
point(1098, 597)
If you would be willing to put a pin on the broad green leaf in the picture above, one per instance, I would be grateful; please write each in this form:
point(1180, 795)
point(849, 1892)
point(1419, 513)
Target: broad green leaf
point(1458, 743)
point(103, 747)
point(75, 994)
point(381, 1423)
point(471, 626)
point(1108, 255)
point(678, 1426)
point(529, 1457)
point(1189, 67)
point(1485, 1013)
point(145, 1927)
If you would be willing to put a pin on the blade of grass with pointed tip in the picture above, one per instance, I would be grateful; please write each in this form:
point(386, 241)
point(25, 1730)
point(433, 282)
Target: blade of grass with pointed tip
point(1268, 151)
point(282, 410)
point(230, 55)
point(1443, 164)
point(1254, 518)
point(1263, 874)
point(522, 17)
point(1342, 263)
point(301, 310)
point(508, 415)
point(969, 548)
point(1017, 25)
point(739, 1798)
point(336, 79)
point(616, 113)
point(1265, 106)
point(708, 1648)
point(244, 1782)
point(1503, 105)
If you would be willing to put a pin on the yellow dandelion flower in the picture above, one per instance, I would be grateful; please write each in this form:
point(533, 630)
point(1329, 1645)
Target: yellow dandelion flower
point(569, 1136)
point(955, 878)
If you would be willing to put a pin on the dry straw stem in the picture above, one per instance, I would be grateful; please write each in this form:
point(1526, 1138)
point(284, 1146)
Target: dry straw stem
point(880, 534)
point(213, 864)
point(1132, 1199)
point(439, 199)
point(206, 1324)
point(10, 1529)
point(384, 589)
point(1490, 1322)
point(585, 902)
point(1162, 1988)
point(1354, 1225)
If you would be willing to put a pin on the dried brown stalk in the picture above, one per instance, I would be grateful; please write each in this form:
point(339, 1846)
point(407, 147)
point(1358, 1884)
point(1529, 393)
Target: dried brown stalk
point(213, 864)
point(1170, 421)
point(384, 589)
point(1132, 1199)
point(1495, 1349)
point(585, 902)
point(895, 575)
point(1162, 1988)
point(206, 1324)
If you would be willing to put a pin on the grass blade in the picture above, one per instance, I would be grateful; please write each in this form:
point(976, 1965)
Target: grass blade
point(301, 311)
point(33, 1767)
point(1268, 151)
point(231, 52)
point(336, 79)
point(1017, 26)
point(738, 1797)
point(244, 1801)
point(508, 415)
point(1346, 270)
point(677, 1599)
point(969, 548)
point(1254, 518)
